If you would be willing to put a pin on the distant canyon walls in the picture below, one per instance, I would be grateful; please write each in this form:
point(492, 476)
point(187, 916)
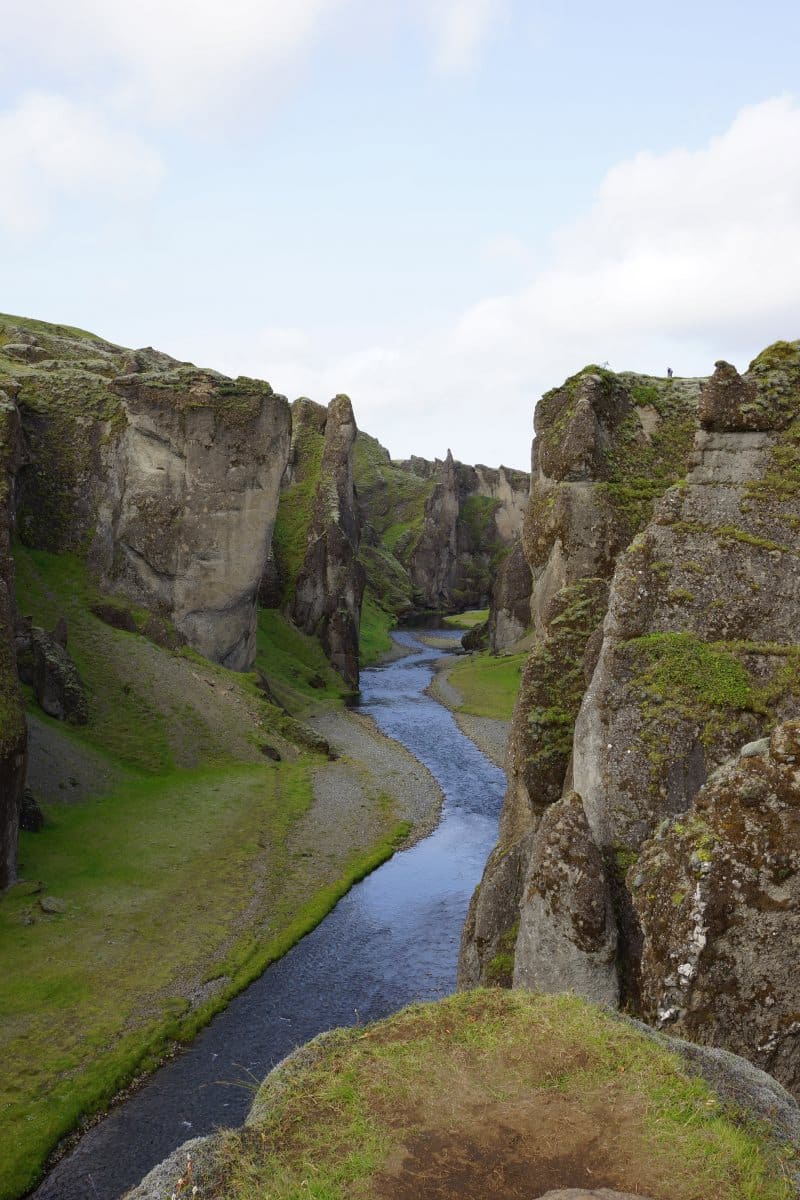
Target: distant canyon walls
point(639, 861)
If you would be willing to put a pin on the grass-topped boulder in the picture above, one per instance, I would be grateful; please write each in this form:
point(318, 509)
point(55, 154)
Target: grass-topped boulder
point(490, 1095)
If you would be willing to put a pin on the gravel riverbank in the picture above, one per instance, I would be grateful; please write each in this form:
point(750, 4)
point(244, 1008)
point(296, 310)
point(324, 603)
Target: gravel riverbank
point(372, 770)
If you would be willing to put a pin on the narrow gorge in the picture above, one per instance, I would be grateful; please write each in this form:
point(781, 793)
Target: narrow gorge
point(232, 685)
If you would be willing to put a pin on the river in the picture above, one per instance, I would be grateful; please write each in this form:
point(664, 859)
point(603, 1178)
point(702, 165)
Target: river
point(391, 940)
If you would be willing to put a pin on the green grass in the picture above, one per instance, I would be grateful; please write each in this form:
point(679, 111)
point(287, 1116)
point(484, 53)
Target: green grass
point(467, 620)
point(373, 639)
point(175, 871)
point(331, 1124)
point(488, 684)
point(290, 660)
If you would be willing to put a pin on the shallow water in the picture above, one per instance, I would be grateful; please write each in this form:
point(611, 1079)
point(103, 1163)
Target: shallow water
point(393, 939)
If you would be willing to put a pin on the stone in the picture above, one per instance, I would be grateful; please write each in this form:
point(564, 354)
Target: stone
point(270, 752)
point(567, 935)
point(594, 1194)
point(31, 817)
point(595, 444)
point(330, 582)
point(510, 613)
point(51, 904)
point(48, 668)
point(719, 908)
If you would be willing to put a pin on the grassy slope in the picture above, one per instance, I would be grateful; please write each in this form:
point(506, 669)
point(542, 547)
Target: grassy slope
point(166, 872)
point(490, 1088)
point(488, 684)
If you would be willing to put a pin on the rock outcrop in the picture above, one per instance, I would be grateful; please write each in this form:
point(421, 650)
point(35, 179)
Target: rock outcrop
point(698, 654)
point(472, 517)
point(717, 895)
point(510, 612)
point(13, 732)
point(194, 490)
point(606, 447)
point(169, 474)
point(44, 663)
point(324, 596)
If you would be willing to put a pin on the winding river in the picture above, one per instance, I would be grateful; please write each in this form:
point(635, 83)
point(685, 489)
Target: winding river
point(393, 939)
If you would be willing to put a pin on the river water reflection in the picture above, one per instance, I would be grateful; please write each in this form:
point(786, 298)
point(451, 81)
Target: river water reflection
point(393, 939)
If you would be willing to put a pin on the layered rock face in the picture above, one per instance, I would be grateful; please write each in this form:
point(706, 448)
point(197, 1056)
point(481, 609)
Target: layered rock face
point(13, 732)
point(698, 654)
point(606, 447)
point(169, 474)
point(717, 893)
point(329, 584)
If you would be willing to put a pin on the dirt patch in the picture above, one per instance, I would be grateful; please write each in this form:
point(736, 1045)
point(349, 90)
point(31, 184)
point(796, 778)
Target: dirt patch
point(507, 1151)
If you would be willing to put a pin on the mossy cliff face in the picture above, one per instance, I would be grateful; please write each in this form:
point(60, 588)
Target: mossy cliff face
point(165, 475)
point(324, 596)
point(717, 893)
point(698, 655)
point(606, 447)
point(13, 733)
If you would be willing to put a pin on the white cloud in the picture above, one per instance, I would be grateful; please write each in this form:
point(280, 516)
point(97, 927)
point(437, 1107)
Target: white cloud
point(171, 61)
point(51, 147)
point(682, 258)
point(460, 28)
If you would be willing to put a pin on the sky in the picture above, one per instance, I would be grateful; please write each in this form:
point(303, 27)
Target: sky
point(440, 207)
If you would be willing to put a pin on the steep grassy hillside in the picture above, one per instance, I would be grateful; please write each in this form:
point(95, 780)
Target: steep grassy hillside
point(176, 859)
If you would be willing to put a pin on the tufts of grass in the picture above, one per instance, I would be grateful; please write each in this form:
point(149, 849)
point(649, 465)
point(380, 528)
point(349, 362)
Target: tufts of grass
point(294, 663)
point(337, 1121)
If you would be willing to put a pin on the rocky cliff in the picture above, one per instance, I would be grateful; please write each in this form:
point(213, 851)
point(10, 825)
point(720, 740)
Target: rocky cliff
point(320, 579)
point(166, 475)
point(472, 517)
point(13, 733)
point(697, 655)
point(606, 447)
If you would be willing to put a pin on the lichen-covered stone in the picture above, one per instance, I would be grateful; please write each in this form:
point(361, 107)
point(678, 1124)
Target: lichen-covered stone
point(510, 613)
point(717, 893)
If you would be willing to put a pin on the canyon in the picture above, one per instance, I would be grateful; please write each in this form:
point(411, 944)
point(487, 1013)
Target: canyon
point(194, 572)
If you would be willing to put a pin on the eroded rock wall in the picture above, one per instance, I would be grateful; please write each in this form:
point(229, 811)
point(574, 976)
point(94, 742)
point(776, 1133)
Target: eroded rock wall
point(166, 474)
point(606, 447)
point(329, 586)
point(717, 893)
point(13, 732)
point(472, 517)
point(194, 482)
point(697, 655)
